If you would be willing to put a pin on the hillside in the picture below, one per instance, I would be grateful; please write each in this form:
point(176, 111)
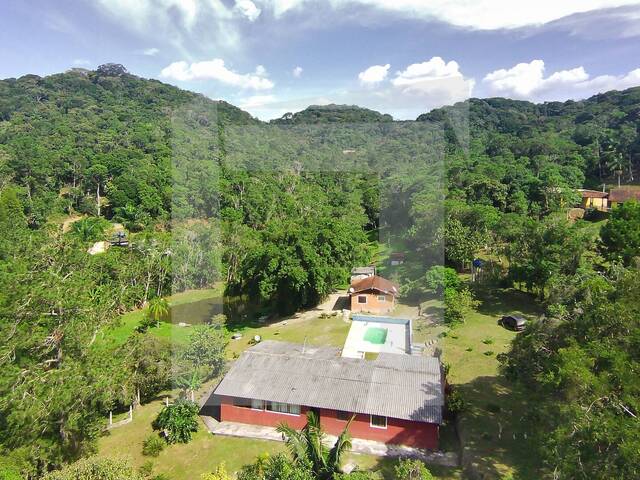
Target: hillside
point(333, 114)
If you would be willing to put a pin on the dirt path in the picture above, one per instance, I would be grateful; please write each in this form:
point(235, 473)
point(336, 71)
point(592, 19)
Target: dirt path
point(335, 302)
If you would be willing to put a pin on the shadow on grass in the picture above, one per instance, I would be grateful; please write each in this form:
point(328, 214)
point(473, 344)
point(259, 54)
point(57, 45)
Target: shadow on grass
point(495, 430)
point(498, 302)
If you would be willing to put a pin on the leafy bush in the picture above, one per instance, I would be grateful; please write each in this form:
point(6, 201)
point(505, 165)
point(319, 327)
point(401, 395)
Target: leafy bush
point(412, 469)
point(152, 445)
point(90, 229)
point(439, 278)
point(455, 403)
point(488, 353)
point(487, 341)
point(457, 304)
point(95, 468)
point(178, 421)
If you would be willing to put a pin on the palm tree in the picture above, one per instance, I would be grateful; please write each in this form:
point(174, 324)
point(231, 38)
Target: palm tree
point(615, 163)
point(307, 447)
point(158, 308)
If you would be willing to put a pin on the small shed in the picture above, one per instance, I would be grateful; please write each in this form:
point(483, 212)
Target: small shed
point(396, 258)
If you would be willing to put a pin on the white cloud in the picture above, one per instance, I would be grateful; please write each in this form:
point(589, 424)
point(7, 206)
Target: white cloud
point(374, 74)
point(297, 72)
point(216, 70)
point(256, 101)
point(150, 52)
point(477, 14)
point(179, 23)
point(248, 9)
point(435, 69)
point(528, 81)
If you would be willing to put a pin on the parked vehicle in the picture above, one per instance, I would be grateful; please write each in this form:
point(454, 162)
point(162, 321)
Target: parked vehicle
point(513, 322)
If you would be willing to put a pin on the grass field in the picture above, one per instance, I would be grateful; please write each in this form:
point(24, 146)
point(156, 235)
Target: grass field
point(494, 413)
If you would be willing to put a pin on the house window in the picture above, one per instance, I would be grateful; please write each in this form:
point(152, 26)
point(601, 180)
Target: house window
point(382, 298)
point(342, 415)
point(287, 408)
point(362, 299)
point(242, 402)
point(378, 422)
point(257, 404)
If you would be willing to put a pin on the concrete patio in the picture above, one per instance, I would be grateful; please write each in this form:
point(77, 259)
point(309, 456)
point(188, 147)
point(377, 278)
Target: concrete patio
point(232, 429)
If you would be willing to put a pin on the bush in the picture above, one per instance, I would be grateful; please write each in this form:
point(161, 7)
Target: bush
point(146, 469)
point(412, 469)
point(487, 341)
point(153, 445)
point(455, 403)
point(488, 353)
point(178, 421)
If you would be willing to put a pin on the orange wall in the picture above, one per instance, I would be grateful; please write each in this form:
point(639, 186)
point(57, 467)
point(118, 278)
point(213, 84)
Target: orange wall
point(373, 305)
point(398, 432)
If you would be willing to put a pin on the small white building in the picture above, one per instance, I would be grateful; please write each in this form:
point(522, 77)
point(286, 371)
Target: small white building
point(358, 273)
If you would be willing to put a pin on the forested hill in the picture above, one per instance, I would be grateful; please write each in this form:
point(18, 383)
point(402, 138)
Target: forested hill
point(333, 114)
point(601, 129)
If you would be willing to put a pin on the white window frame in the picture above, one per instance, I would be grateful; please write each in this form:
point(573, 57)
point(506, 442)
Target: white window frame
point(288, 407)
point(365, 299)
point(386, 422)
point(382, 298)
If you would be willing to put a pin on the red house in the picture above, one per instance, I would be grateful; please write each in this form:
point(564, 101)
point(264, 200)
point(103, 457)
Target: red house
point(396, 399)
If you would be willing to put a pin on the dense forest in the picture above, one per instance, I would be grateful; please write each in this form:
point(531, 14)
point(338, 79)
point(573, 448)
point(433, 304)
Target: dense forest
point(281, 212)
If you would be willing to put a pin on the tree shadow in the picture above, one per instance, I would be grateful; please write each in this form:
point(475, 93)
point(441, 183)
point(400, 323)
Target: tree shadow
point(497, 301)
point(495, 431)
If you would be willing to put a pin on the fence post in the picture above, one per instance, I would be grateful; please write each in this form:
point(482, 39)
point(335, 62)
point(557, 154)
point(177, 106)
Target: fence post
point(110, 417)
point(130, 412)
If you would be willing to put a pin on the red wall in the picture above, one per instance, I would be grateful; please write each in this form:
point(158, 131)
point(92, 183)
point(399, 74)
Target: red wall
point(398, 432)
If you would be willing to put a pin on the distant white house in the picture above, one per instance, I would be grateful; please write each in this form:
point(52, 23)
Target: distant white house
point(358, 273)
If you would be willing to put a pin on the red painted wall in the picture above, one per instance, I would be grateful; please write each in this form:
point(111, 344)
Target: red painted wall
point(398, 432)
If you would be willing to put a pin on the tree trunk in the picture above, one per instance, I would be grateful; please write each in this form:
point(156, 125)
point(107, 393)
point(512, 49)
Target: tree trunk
point(98, 198)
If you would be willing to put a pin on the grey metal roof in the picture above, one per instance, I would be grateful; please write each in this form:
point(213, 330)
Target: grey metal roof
point(397, 386)
point(363, 270)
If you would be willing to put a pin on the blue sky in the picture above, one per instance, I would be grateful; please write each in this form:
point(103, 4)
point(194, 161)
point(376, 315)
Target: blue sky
point(402, 57)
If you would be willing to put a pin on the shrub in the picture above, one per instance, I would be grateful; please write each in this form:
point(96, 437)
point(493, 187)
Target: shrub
point(469, 349)
point(146, 468)
point(455, 402)
point(178, 421)
point(488, 353)
point(487, 341)
point(412, 469)
point(152, 445)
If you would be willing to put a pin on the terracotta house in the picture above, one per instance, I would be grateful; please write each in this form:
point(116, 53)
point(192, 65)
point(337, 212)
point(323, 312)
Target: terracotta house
point(619, 195)
point(373, 294)
point(396, 399)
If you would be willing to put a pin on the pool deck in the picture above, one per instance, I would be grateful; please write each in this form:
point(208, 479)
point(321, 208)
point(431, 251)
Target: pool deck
point(397, 341)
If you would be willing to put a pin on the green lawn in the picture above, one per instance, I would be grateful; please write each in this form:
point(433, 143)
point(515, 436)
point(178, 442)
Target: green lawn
point(315, 331)
point(181, 462)
point(495, 409)
point(116, 336)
